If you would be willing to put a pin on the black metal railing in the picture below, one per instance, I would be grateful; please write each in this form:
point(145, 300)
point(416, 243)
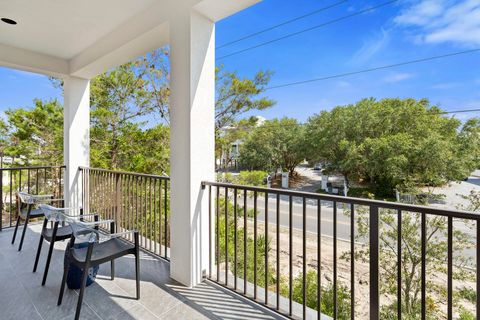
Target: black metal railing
point(306, 254)
point(34, 180)
point(135, 201)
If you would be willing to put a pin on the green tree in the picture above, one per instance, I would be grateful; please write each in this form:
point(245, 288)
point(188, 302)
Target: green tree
point(36, 135)
point(278, 143)
point(435, 257)
point(385, 143)
point(235, 95)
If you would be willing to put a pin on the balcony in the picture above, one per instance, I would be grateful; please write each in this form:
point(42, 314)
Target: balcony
point(306, 234)
point(162, 297)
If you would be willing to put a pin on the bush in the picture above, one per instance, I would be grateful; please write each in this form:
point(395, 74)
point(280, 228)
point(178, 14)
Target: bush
point(251, 178)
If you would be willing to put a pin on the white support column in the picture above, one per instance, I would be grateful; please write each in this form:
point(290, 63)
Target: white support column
point(76, 136)
point(192, 142)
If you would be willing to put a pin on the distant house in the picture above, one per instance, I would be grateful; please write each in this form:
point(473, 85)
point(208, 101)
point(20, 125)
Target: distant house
point(230, 157)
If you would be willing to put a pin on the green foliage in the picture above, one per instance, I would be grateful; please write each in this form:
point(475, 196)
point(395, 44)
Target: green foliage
point(247, 178)
point(275, 144)
point(435, 256)
point(226, 233)
point(386, 143)
point(468, 294)
point(465, 314)
point(35, 134)
point(326, 305)
point(251, 178)
point(474, 201)
point(235, 96)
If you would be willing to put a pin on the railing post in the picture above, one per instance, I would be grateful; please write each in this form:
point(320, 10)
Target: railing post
point(374, 254)
point(118, 200)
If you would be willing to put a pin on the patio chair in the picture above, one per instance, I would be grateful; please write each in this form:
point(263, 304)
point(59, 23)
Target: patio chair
point(27, 209)
point(57, 232)
point(101, 248)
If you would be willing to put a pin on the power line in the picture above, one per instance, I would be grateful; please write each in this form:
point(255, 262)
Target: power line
point(309, 29)
point(243, 127)
point(374, 69)
point(254, 34)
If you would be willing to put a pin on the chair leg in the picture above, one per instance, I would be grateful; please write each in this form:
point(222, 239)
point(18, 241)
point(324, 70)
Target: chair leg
point(23, 233)
point(112, 270)
point(49, 257)
point(39, 249)
point(137, 274)
point(16, 228)
point(40, 243)
point(82, 291)
point(47, 265)
point(64, 281)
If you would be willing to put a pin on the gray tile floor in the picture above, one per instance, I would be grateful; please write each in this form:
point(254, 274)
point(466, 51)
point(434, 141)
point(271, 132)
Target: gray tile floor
point(23, 297)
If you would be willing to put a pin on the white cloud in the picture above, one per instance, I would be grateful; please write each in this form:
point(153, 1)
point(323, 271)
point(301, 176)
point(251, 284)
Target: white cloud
point(440, 21)
point(371, 47)
point(446, 85)
point(397, 77)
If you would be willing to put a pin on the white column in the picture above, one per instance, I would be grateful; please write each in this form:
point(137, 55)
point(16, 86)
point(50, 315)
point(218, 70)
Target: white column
point(76, 136)
point(192, 142)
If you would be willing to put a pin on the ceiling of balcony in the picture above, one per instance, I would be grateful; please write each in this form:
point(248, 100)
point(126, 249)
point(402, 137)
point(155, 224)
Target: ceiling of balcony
point(64, 28)
point(85, 37)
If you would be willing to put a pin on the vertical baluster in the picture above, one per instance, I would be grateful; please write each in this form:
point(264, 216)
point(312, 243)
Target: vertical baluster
point(319, 258)
point(278, 250)
point(135, 194)
point(155, 241)
point(209, 231)
point(149, 215)
point(36, 182)
point(374, 268)
point(28, 181)
point(167, 212)
point(335, 275)
point(352, 261)
point(255, 245)
point(45, 184)
point(145, 211)
point(217, 228)
point(399, 265)
point(304, 257)
point(161, 213)
point(450, 269)
point(478, 270)
point(245, 232)
point(266, 246)
point(290, 252)
point(424, 265)
point(235, 238)
point(226, 236)
point(11, 203)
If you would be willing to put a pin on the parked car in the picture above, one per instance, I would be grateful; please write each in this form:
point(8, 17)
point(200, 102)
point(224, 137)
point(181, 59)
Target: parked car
point(317, 167)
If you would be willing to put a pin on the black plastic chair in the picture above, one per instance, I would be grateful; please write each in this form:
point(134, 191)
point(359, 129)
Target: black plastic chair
point(101, 248)
point(27, 209)
point(57, 232)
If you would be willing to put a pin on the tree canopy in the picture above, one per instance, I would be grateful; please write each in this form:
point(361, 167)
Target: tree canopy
point(392, 143)
point(277, 143)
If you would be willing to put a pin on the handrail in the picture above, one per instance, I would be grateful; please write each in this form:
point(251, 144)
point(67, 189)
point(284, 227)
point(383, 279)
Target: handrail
point(125, 173)
point(358, 201)
point(33, 167)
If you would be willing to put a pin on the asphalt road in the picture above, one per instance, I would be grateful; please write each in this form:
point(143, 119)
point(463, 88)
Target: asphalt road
point(343, 221)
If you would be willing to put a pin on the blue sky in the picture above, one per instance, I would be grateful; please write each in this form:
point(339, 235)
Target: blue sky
point(402, 31)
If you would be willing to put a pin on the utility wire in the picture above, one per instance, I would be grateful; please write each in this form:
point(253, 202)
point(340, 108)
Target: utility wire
point(309, 29)
point(254, 34)
point(373, 69)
